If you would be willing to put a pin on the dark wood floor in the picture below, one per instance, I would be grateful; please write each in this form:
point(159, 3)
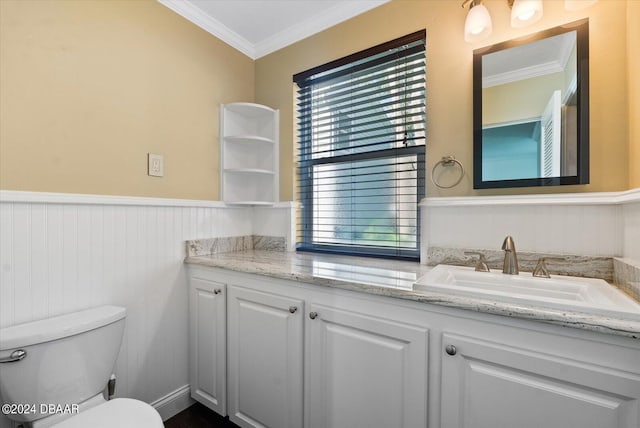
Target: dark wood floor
point(198, 416)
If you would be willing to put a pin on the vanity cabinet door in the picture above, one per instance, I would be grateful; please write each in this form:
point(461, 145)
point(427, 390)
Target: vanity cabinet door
point(489, 385)
point(265, 339)
point(364, 371)
point(207, 342)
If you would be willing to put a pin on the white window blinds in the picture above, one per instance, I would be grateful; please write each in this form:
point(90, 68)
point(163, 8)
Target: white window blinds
point(361, 129)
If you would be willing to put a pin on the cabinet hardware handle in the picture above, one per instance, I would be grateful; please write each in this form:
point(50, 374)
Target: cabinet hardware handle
point(451, 350)
point(16, 355)
point(313, 315)
point(293, 309)
point(217, 291)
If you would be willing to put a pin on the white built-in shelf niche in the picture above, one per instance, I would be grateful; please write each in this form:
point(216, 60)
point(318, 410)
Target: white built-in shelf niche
point(249, 154)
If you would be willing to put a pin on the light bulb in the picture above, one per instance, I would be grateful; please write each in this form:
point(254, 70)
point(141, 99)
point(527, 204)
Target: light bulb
point(478, 24)
point(526, 15)
point(525, 12)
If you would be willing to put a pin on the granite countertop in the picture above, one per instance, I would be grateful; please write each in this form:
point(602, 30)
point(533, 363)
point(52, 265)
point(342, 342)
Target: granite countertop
point(394, 278)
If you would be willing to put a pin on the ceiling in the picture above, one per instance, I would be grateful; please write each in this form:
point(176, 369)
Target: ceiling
point(259, 27)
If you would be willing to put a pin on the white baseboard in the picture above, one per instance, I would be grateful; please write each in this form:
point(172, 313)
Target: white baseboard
point(174, 402)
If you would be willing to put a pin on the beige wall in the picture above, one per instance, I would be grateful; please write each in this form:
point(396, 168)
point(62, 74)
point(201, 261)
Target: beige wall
point(449, 84)
point(523, 99)
point(89, 87)
point(633, 52)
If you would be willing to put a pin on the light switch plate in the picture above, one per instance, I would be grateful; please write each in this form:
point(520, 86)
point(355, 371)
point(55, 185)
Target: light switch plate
point(156, 165)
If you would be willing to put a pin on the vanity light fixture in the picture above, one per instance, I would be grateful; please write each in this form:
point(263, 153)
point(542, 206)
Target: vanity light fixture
point(478, 24)
point(525, 12)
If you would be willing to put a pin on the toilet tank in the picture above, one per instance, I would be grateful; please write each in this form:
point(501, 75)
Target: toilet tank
point(69, 358)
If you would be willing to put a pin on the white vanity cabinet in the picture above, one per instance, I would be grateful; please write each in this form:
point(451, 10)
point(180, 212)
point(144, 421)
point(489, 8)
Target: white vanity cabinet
point(488, 384)
point(360, 370)
point(364, 370)
point(302, 355)
point(265, 339)
point(207, 340)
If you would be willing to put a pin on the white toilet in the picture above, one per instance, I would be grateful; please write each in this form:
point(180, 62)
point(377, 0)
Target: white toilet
point(67, 360)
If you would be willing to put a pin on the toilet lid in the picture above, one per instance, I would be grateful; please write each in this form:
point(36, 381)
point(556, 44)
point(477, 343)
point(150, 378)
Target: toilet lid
point(121, 413)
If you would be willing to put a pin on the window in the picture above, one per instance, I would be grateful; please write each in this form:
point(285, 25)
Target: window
point(361, 130)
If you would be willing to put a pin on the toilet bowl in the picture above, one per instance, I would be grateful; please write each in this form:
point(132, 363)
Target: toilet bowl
point(120, 413)
point(61, 366)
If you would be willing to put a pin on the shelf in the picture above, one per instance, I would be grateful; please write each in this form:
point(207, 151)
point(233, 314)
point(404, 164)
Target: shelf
point(249, 144)
point(249, 171)
point(248, 139)
point(250, 109)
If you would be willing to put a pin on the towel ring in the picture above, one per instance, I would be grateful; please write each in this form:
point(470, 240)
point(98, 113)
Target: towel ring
point(447, 161)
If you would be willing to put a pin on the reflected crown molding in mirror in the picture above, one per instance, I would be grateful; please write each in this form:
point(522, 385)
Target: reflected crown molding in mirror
point(531, 110)
point(547, 56)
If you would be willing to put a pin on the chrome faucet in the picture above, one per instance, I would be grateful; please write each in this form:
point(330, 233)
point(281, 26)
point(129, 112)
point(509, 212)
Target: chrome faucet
point(510, 265)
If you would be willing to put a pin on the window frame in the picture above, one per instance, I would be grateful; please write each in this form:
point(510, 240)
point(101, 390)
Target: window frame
point(305, 169)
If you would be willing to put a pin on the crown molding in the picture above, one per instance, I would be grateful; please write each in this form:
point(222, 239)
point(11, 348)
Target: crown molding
point(315, 24)
point(564, 49)
point(192, 13)
point(522, 74)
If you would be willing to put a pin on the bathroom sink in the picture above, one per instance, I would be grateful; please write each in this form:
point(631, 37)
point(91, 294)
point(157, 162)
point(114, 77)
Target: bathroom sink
point(589, 295)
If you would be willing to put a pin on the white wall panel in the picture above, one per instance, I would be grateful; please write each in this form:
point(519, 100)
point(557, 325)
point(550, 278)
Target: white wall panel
point(235, 221)
point(590, 224)
point(278, 220)
point(58, 257)
point(60, 253)
point(631, 225)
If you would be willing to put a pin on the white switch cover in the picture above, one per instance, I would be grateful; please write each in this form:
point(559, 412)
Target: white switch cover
point(156, 165)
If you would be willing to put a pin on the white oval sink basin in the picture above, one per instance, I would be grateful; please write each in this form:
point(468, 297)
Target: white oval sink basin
point(588, 295)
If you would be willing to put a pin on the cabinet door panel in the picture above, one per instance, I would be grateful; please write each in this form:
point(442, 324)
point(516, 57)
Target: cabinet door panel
point(492, 385)
point(265, 359)
point(365, 371)
point(208, 343)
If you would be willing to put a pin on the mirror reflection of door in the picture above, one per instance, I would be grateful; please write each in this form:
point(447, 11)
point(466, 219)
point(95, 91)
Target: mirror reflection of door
point(569, 139)
point(550, 137)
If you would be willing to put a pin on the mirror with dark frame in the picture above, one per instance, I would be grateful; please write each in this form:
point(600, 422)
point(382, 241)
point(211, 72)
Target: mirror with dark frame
point(531, 110)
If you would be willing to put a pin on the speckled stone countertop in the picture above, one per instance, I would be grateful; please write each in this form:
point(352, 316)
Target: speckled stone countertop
point(395, 279)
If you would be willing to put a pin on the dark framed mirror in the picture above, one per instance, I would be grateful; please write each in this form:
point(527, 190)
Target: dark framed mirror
point(531, 110)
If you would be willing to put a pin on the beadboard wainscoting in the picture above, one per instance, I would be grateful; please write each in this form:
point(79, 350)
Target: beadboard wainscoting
point(60, 253)
point(279, 218)
point(631, 230)
point(595, 224)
